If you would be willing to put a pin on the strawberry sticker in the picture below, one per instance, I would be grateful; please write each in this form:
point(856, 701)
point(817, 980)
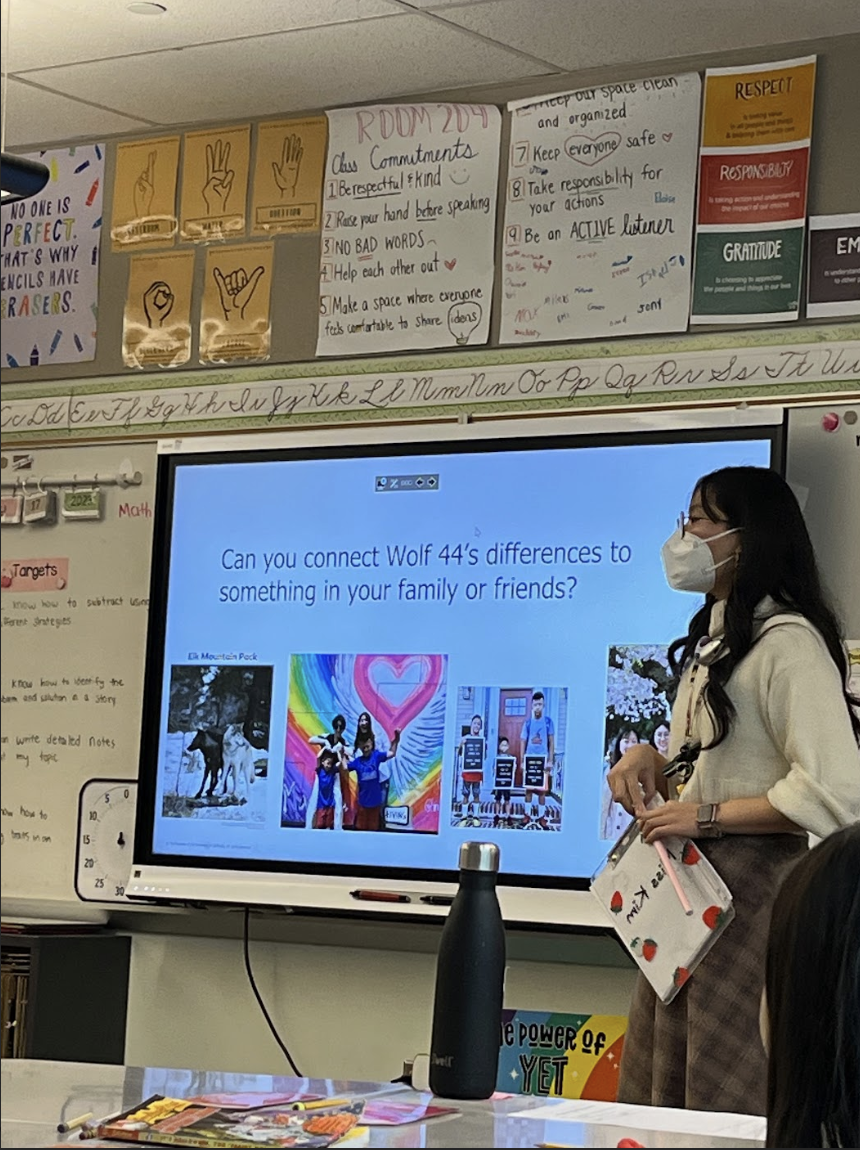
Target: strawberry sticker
point(713, 917)
point(636, 945)
point(649, 949)
point(690, 854)
point(616, 903)
point(680, 976)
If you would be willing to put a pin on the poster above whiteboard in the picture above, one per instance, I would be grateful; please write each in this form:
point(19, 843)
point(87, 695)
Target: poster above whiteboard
point(50, 283)
point(408, 227)
point(599, 211)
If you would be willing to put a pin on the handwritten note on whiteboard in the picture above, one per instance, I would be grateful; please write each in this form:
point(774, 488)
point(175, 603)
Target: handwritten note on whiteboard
point(408, 227)
point(599, 211)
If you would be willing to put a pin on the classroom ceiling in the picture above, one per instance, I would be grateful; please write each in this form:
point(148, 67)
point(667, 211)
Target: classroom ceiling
point(85, 68)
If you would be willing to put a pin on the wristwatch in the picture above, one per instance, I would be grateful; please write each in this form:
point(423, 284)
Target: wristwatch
point(707, 826)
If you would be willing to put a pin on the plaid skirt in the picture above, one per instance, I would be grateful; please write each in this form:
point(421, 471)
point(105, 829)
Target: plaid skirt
point(703, 1051)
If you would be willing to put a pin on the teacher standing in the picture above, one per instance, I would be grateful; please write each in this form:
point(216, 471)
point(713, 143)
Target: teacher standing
point(764, 734)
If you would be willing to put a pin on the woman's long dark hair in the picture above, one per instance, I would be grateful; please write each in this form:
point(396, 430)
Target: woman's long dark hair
point(812, 982)
point(776, 559)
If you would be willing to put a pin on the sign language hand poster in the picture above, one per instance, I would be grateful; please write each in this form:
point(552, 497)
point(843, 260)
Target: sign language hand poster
point(50, 283)
point(144, 194)
point(234, 321)
point(599, 206)
point(408, 227)
point(215, 184)
point(157, 321)
point(288, 175)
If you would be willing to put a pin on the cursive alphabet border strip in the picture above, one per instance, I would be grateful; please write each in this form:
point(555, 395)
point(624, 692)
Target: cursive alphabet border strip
point(809, 363)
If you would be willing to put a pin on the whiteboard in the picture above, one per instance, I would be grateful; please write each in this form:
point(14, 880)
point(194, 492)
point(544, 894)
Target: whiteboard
point(73, 660)
point(97, 639)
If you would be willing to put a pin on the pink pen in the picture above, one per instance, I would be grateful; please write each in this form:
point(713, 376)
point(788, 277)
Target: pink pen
point(673, 877)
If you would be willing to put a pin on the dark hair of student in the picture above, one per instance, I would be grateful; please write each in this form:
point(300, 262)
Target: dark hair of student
point(537, 695)
point(776, 559)
point(615, 752)
point(480, 718)
point(363, 727)
point(812, 981)
point(338, 721)
point(654, 726)
point(327, 756)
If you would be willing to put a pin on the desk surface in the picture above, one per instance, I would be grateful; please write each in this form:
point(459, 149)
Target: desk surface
point(38, 1095)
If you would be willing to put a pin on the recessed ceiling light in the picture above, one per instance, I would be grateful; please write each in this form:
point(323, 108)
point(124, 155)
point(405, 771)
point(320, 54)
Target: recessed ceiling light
point(145, 8)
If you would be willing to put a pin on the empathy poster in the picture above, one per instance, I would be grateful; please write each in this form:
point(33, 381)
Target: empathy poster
point(50, 262)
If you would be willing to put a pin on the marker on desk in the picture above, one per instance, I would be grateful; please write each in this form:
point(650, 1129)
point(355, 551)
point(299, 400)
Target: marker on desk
point(320, 1103)
point(437, 899)
point(66, 1127)
point(379, 896)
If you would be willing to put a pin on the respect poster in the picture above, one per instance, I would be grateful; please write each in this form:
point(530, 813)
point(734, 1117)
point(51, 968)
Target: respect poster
point(408, 227)
point(600, 197)
point(753, 172)
point(50, 275)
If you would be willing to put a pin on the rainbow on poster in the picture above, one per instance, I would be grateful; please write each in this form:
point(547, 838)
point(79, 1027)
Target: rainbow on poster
point(405, 692)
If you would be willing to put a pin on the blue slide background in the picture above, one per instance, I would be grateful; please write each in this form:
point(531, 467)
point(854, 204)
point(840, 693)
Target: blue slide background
point(583, 497)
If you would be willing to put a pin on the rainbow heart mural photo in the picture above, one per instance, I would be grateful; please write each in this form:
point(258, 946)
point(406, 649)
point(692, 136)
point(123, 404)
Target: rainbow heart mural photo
point(365, 738)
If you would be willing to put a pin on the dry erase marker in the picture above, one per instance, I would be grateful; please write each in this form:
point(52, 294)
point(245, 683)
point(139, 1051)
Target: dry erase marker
point(65, 1127)
point(379, 896)
point(437, 899)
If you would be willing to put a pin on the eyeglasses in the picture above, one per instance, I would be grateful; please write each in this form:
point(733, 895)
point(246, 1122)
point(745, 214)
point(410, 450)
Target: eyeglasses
point(685, 520)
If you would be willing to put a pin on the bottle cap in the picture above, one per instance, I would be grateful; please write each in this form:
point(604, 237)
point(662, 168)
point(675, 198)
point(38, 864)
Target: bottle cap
point(479, 856)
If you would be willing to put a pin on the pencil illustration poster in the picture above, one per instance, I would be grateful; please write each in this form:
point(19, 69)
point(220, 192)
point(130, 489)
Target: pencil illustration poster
point(50, 279)
point(408, 227)
point(599, 204)
point(288, 176)
point(144, 194)
point(215, 166)
point(753, 170)
point(157, 320)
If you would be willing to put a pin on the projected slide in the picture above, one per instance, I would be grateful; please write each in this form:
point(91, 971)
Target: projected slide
point(370, 658)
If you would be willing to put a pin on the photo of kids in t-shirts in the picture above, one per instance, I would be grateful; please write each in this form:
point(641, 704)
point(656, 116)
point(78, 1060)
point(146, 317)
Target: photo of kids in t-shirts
point(508, 761)
point(373, 779)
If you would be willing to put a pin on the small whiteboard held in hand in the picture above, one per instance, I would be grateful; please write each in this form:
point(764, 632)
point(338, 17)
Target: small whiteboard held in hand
point(639, 899)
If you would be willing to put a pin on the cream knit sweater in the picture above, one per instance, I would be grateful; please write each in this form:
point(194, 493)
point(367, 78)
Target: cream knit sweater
point(791, 738)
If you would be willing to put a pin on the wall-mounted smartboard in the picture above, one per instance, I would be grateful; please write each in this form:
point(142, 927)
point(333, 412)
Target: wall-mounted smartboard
point(73, 655)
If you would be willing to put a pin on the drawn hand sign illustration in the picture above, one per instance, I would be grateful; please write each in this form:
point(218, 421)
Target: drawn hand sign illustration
point(235, 289)
point(219, 178)
point(287, 172)
point(158, 302)
point(144, 189)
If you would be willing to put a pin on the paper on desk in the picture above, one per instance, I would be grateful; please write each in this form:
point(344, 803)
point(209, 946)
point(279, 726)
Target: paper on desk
point(750, 1127)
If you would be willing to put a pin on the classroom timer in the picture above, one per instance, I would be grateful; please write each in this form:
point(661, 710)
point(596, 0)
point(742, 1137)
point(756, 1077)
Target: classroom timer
point(106, 811)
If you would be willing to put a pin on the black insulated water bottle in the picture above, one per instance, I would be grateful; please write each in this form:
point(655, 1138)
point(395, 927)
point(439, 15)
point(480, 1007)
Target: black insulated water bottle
point(470, 977)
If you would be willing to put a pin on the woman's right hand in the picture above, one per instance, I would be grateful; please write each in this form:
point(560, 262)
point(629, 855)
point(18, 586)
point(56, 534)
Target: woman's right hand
point(635, 772)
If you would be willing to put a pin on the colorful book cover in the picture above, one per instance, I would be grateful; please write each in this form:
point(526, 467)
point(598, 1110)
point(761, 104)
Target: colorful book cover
point(182, 1122)
point(561, 1055)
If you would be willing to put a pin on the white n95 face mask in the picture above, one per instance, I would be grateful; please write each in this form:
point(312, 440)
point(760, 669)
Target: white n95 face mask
point(688, 562)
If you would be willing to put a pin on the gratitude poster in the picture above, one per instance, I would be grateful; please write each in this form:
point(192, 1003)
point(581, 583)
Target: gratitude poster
point(599, 208)
point(408, 227)
point(753, 171)
point(50, 256)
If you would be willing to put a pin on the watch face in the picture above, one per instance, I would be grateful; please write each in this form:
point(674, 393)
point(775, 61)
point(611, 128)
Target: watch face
point(106, 816)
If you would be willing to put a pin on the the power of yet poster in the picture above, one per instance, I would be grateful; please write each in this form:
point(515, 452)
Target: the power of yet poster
point(599, 206)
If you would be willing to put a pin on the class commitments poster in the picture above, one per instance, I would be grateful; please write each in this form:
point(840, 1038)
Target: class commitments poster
point(50, 262)
point(561, 1055)
point(753, 172)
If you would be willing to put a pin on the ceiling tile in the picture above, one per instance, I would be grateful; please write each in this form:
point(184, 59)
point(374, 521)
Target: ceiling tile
point(575, 34)
point(294, 71)
point(52, 32)
point(36, 116)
